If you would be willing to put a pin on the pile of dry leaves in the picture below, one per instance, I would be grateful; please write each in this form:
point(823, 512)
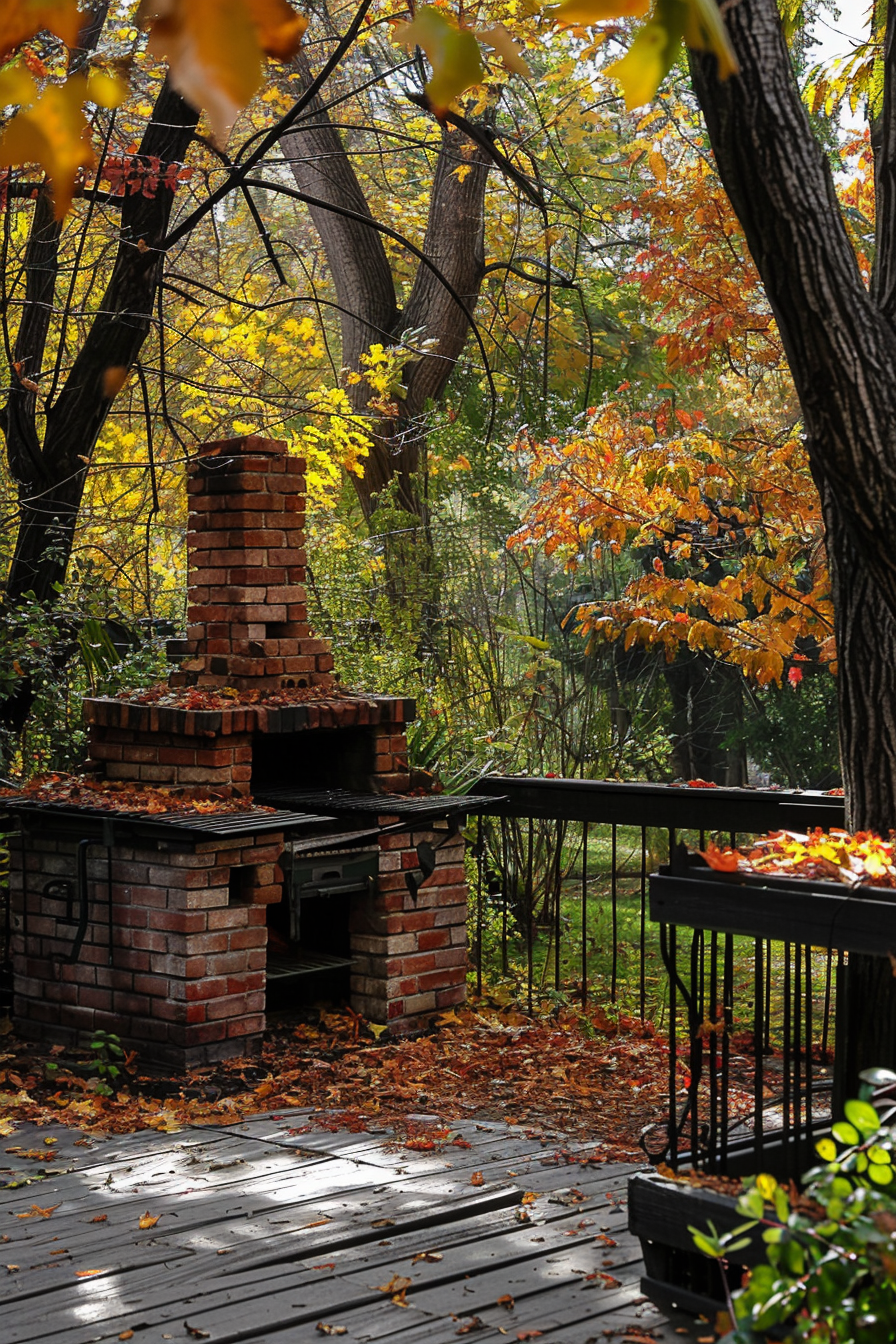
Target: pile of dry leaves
point(588, 1077)
point(141, 799)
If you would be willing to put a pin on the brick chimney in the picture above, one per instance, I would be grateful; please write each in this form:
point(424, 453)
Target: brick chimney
point(247, 617)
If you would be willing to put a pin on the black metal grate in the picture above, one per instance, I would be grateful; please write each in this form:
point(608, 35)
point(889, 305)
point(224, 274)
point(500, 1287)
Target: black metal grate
point(208, 826)
point(433, 807)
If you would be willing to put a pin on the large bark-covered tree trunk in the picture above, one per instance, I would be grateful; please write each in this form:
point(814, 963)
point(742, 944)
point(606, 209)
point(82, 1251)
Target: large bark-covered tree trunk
point(841, 348)
point(454, 245)
point(52, 475)
point(51, 471)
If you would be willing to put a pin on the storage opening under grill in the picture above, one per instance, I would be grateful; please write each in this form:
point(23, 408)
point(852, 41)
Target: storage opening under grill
point(309, 938)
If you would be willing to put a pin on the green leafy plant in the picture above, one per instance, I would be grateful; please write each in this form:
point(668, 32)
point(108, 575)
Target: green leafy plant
point(106, 1050)
point(830, 1275)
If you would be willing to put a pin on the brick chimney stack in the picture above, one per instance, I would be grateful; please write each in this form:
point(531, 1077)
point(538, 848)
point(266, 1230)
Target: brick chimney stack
point(247, 617)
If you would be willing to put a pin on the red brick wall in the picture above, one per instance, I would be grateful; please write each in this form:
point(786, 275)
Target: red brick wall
point(411, 956)
point(187, 979)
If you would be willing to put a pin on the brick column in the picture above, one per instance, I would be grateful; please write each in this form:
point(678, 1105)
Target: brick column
point(411, 956)
point(247, 614)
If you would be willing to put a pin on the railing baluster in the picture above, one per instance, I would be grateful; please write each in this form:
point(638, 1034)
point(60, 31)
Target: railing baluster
point(642, 984)
point(614, 898)
point(529, 912)
point(480, 897)
point(809, 1007)
point(758, 1046)
point(584, 914)
point(786, 1060)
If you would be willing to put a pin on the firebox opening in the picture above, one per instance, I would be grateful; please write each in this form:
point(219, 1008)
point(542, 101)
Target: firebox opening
point(317, 759)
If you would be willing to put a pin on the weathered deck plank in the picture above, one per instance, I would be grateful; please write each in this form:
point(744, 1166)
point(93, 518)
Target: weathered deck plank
point(266, 1228)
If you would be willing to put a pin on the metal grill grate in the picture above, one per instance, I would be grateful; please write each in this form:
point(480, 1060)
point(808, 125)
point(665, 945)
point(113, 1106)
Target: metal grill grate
point(342, 802)
point(208, 826)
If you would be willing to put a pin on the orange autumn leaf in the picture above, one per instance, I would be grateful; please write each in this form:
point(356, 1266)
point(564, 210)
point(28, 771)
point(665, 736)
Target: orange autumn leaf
point(21, 19)
point(214, 49)
point(37, 1212)
point(477, 1178)
point(147, 1221)
point(722, 860)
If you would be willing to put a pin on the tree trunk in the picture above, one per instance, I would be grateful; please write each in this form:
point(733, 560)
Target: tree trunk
point(706, 708)
point(841, 349)
point(51, 475)
point(454, 246)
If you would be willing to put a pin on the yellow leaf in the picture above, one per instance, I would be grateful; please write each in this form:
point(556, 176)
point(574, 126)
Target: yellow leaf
point(705, 31)
point(53, 134)
point(16, 86)
point(88, 1273)
point(106, 90)
point(147, 1221)
point(377, 1029)
point(498, 38)
point(21, 19)
point(214, 49)
point(594, 11)
point(6, 1128)
point(452, 52)
point(643, 67)
point(658, 167)
point(37, 1212)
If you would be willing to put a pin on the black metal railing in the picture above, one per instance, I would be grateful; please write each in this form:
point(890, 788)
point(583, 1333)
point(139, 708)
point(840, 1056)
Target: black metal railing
point(561, 909)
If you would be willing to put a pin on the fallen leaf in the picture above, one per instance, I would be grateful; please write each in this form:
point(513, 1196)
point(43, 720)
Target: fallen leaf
point(529, 1197)
point(396, 1284)
point(37, 1212)
point(100, 1218)
point(195, 1332)
point(528, 1334)
point(7, 1127)
point(88, 1273)
point(383, 1222)
point(400, 1299)
point(12, 1269)
point(331, 1264)
point(331, 1329)
point(147, 1221)
point(507, 1302)
point(430, 1257)
point(473, 1324)
point(477, 1178)
point(126, 1334)
point(320, 1223)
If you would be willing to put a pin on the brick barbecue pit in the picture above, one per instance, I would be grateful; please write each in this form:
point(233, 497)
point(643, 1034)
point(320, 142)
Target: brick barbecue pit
point(164, 932)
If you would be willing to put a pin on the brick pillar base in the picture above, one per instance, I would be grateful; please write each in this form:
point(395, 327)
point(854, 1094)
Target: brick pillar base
point(176, 965)
point(411, 955)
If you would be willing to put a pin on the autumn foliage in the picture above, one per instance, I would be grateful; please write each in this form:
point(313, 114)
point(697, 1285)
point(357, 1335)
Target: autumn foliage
point(726, 533)
point(862, 859)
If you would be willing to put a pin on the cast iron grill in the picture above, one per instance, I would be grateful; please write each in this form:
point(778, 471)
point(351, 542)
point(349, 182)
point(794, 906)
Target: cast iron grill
point(342, 802)
point(194, 826)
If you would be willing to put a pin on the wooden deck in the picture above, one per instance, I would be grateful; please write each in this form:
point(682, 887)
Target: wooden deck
point(273, 1229)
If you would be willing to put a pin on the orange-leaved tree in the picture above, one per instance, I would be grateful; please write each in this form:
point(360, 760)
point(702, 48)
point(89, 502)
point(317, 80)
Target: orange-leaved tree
point(705, 543)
